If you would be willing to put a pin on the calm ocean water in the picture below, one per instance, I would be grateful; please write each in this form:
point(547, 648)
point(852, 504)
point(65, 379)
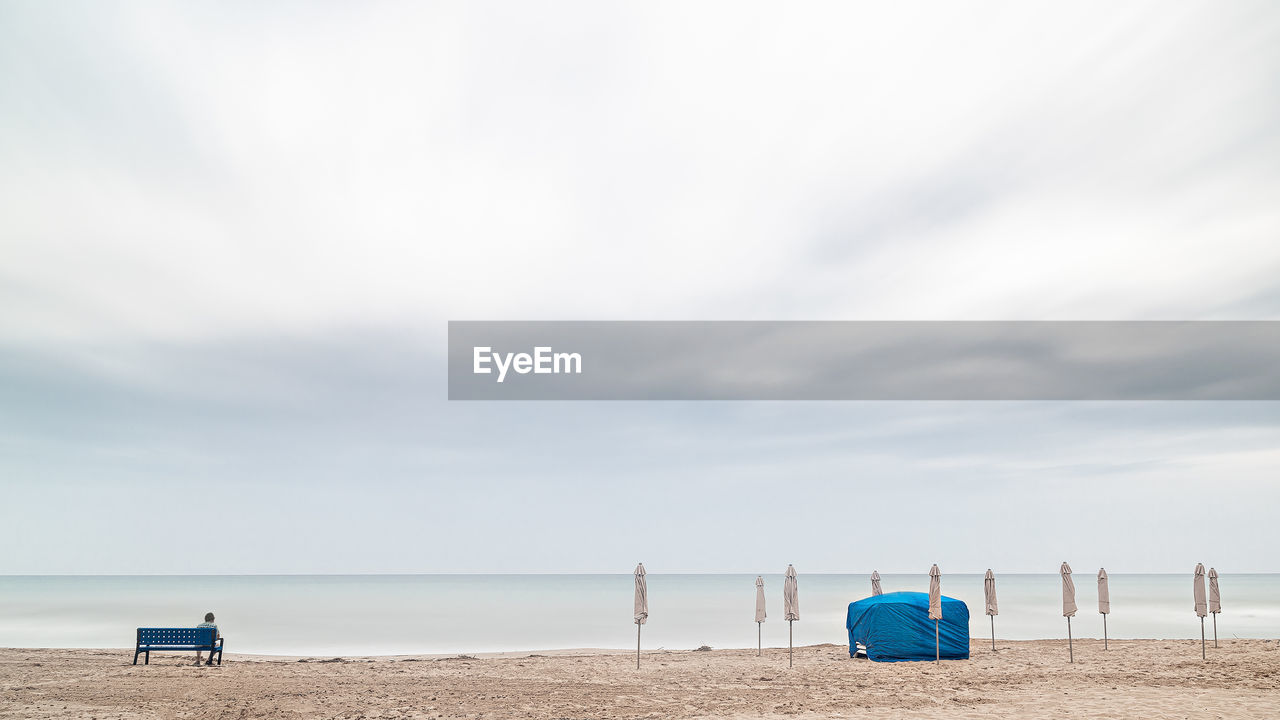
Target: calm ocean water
point(386, 614)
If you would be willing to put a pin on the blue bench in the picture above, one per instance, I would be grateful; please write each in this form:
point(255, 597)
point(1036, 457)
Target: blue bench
point(188, 639)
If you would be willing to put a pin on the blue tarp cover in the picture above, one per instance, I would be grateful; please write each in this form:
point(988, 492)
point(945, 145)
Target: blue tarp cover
point(896, 626)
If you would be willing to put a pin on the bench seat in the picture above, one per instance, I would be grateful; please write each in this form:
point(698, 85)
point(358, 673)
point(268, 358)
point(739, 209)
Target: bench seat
point(204, 639)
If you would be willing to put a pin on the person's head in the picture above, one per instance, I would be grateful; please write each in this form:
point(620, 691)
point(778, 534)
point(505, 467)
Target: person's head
point(208, 617)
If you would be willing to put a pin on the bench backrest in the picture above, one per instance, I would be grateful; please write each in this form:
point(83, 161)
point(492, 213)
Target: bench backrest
point(176, 636)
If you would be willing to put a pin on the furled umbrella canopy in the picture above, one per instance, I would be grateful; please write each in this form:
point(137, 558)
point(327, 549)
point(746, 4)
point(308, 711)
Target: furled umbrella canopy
point(935, 593)
point(760, 613)
point(989, 589)
point(875, 583)
point(790, 596)
point(1068, 591)
point(1202, 605)
point(642, 596)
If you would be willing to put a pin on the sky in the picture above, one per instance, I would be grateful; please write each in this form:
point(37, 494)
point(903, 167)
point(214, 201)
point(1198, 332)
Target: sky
point(232, 234)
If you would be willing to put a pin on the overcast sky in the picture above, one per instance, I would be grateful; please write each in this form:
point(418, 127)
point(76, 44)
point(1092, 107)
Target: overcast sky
point(231, 235)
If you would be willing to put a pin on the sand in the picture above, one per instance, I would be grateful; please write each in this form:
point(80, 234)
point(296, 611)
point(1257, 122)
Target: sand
point(1134, 679)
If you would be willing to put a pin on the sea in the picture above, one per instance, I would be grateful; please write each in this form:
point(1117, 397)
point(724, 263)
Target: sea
point(337, 615)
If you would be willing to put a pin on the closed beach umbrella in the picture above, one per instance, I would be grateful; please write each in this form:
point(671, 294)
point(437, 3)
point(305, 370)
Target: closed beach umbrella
point(1068, 604)
point(875, 583)
point(1104, 602)
point(935, 593)
point(989, 589)
point(642, 607)
point(1202, 605)
point(1215, 602)
point(760, 614)
point(790, 608)
point(935, 607)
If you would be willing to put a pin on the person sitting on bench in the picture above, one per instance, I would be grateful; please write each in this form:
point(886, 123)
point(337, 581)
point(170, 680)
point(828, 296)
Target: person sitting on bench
point(208, 623)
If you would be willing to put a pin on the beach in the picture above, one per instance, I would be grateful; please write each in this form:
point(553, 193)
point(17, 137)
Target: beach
point(1022, 679)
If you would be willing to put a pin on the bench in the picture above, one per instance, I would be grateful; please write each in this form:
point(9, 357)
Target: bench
point(188, 639)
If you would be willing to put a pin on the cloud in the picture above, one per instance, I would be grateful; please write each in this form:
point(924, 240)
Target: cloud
point(286, 441)
point(194, 172)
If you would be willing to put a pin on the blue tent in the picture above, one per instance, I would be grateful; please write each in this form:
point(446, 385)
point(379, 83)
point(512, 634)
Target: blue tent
point(896, 627)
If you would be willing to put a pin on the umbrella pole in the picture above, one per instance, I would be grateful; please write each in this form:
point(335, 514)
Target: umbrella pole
point(1215, 629)
point(993, 632)
point(937, 647)
point(1070, 645)
point(790, 646)
point(637, 645)
point(759, 640)
point(1104, 631)
point(1202, 654)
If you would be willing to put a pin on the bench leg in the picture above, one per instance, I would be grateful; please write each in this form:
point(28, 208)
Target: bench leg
point(148, 658)
point(136, 652)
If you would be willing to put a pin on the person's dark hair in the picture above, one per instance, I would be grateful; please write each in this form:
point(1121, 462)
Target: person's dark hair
point(208, 617)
